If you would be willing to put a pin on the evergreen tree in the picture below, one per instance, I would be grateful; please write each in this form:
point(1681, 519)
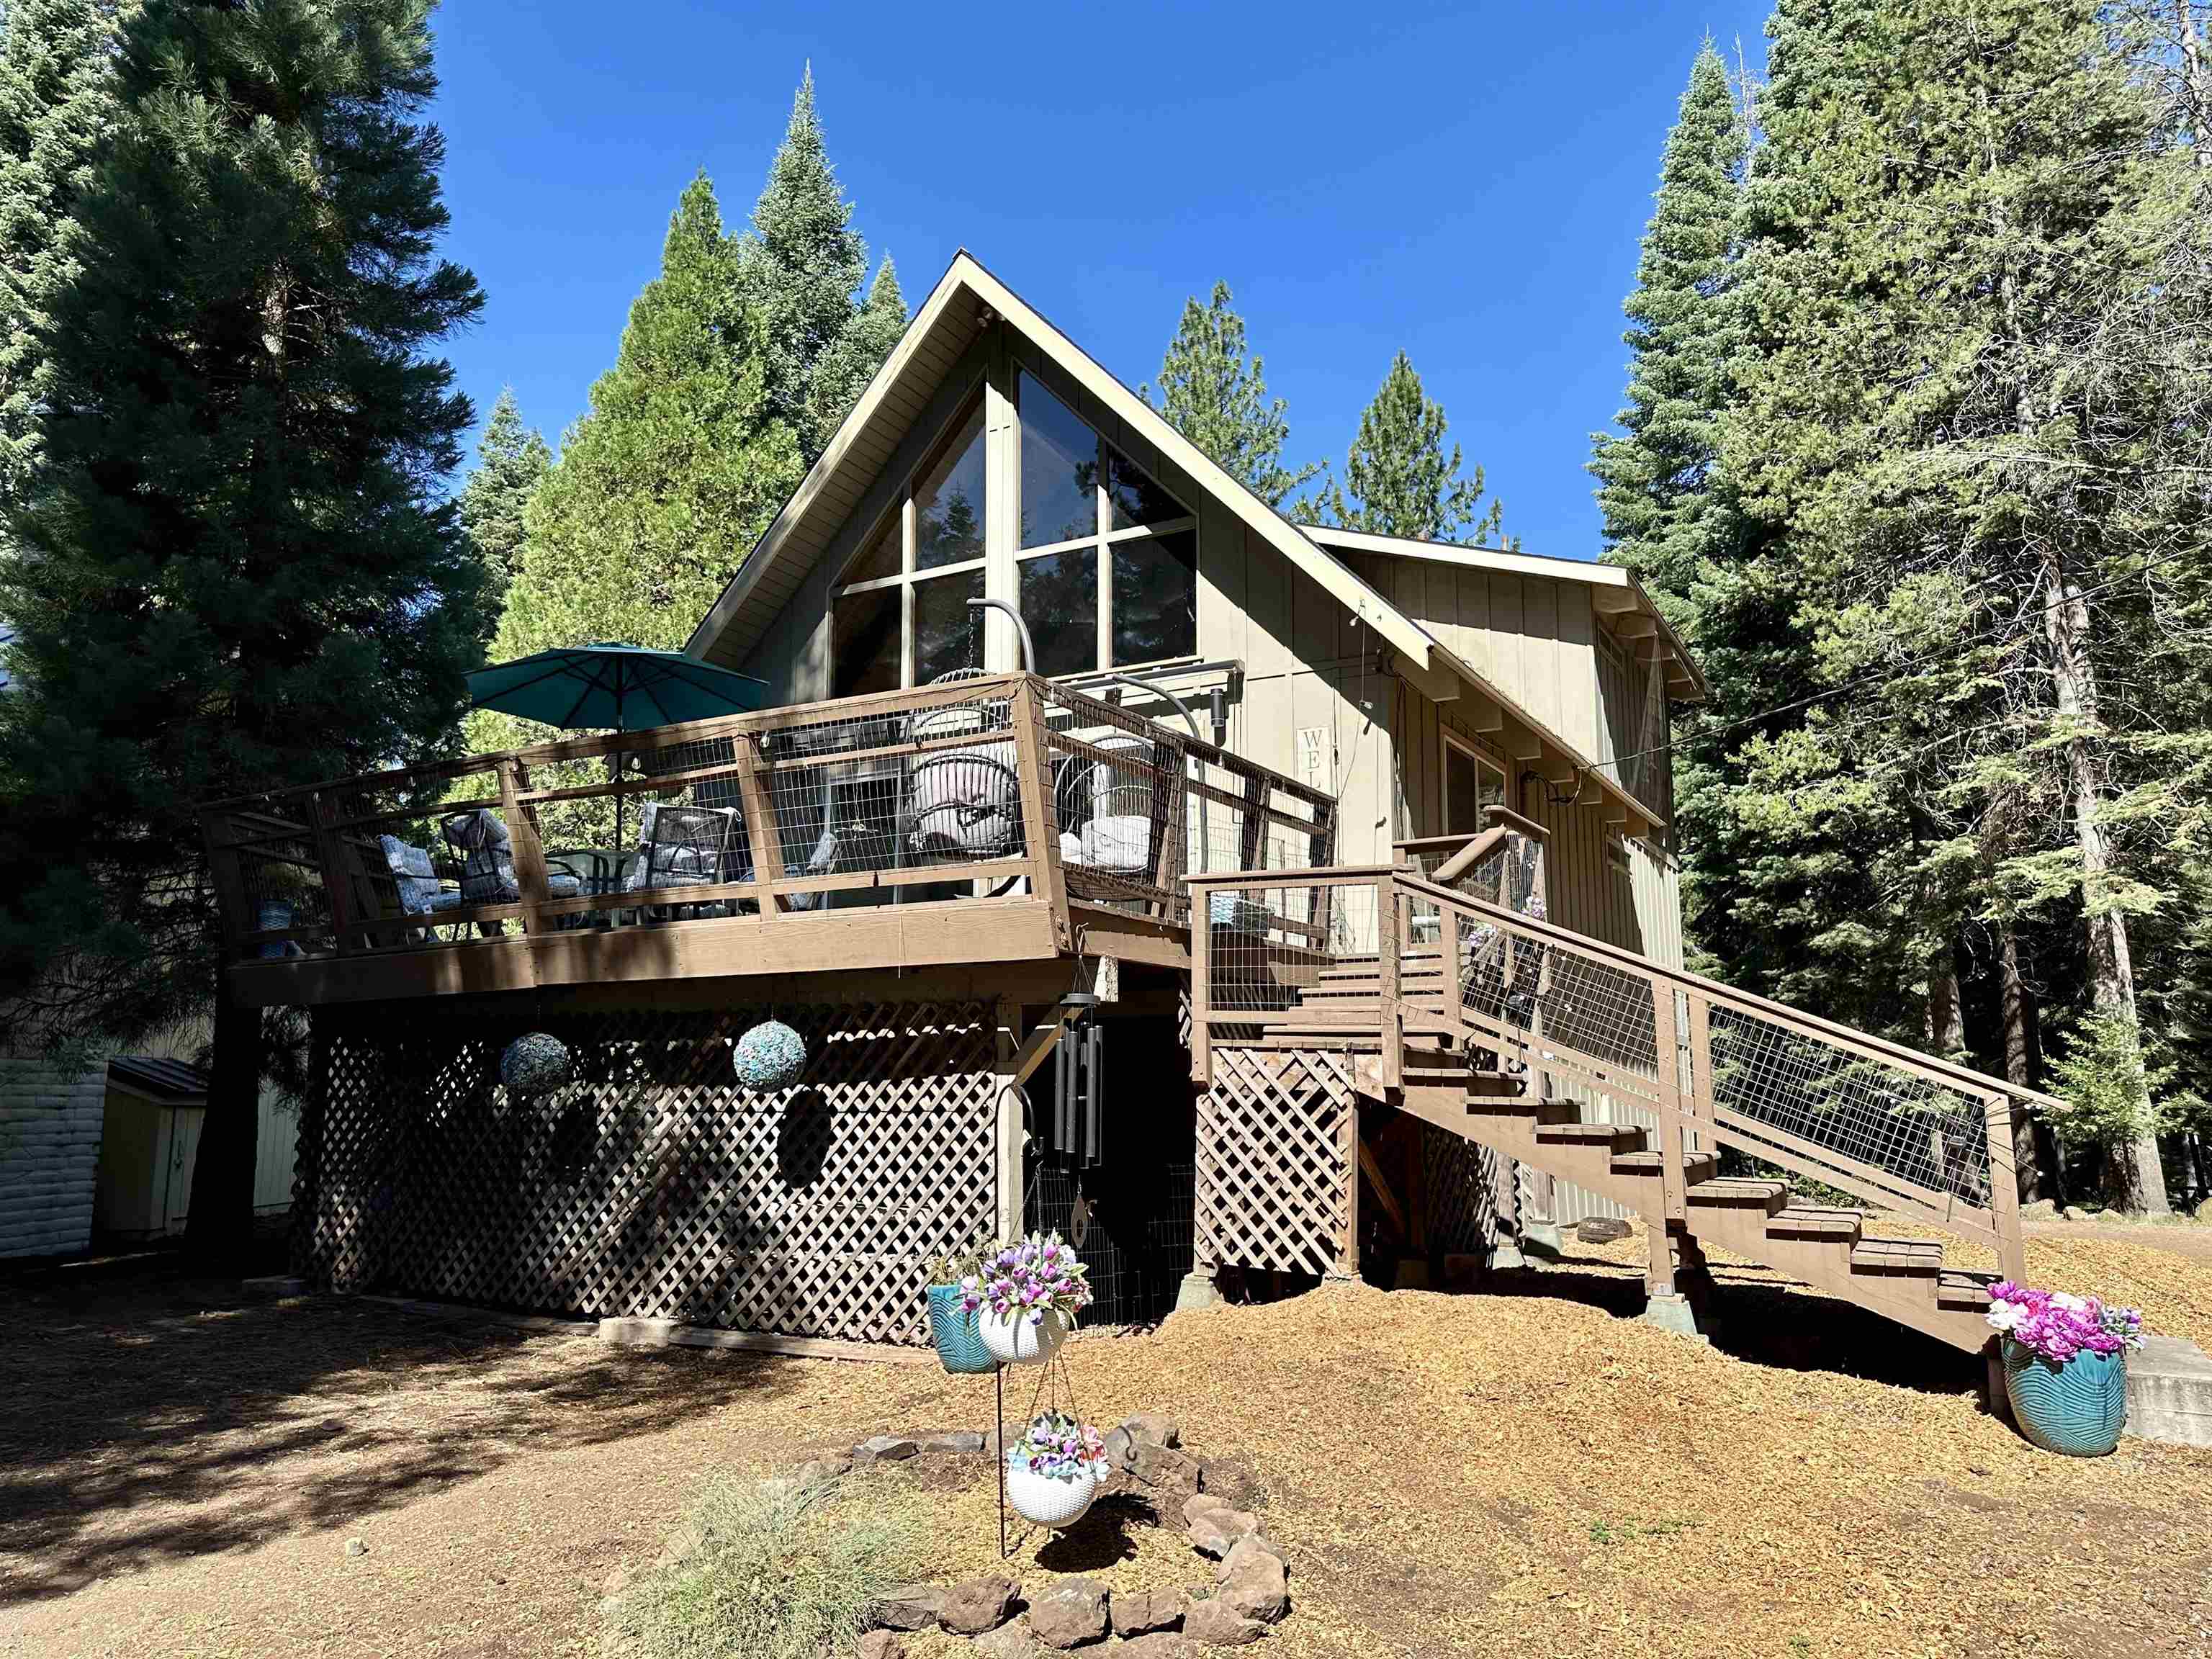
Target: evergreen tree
point(803, 265)
point(662, 488)
point(1930, 226)
point(1401, 483)
point(236, 571)
point(1654, 474)
point(1216, 396)
point(850, 361)
point(58, 98)
point(512, 461)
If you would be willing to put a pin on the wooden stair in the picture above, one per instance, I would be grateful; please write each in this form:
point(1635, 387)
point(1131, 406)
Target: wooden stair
point(1449, 1079)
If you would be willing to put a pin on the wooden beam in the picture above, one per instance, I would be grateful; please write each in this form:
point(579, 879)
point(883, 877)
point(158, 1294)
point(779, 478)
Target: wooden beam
point(1380, 1185)
point(1615, 601)
point(1636, 625)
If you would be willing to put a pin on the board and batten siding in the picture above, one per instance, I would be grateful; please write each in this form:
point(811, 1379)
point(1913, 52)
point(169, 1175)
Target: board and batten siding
point(49, 1122)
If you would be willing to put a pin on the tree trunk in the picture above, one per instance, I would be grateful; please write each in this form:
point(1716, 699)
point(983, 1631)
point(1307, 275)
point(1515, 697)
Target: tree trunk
point(2141, 1178)
point(1946, 1020)
point(2196, 83)
point(219, 1230)
point(2021, 1063)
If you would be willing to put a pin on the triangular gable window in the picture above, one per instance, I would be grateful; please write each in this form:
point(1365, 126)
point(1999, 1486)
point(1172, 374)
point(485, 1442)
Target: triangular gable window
point(1109, 560)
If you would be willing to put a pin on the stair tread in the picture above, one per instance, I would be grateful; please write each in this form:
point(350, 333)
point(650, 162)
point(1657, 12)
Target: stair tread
point(1816, 1220)
point(1962, 1288)
point(1911, 1256)
point(1696, 1167)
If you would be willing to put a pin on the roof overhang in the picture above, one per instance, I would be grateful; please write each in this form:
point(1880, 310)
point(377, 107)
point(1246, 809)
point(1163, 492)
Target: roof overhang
point(1622, 604)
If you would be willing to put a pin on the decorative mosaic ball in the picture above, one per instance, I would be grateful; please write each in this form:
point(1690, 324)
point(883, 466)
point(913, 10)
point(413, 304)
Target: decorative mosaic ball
point(771, 1056)
point(535, 1063)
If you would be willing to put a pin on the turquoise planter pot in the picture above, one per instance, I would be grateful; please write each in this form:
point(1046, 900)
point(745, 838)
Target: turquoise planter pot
point(952, 1328)
point(2076, 1408)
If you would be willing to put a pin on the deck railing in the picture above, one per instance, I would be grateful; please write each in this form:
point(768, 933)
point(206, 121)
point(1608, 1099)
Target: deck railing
point(1002, 785)
point(1710, 1066)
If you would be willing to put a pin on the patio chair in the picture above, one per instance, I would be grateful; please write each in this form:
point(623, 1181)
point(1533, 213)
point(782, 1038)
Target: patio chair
point(683, 846)
point(1109, 810)
point(423, 891)
point(963, 804)
point(487, 853)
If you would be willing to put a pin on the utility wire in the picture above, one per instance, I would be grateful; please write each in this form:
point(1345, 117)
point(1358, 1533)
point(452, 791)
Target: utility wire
point(1888, 672)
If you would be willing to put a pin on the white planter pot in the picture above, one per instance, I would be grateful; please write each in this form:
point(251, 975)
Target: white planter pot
point(1011, 1340)
point(1049, 1501)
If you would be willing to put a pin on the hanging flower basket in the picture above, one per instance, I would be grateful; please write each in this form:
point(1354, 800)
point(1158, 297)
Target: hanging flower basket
point(770, 1057)
point(952, 1328)
point(1054, 1471)
point(1021, 1339)
point(535, 1063)
point(2065, 1361)
point(1025, 1297)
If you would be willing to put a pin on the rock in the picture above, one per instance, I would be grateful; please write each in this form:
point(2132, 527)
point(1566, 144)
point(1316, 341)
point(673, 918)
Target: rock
point(1600, 1230)
point(881, 1644)
point(1253, 1543)
point(975, 1605)
point(821, 1468)
point(1071, 1612)
point(1012, 1641)
point(1118, 1444)
point(1229, 1479)
point(356, 1546)
point(1255, 1584)
point(966, 1441)
point(905, 1606)
point(1162, 1465)
point(611, 1626)
point(1218, 1624)
point(1135, 1611)
point(1160, 1644)
point(884, 1449)
point(1153, 1428)
point(617, 1582)
point(683, 1544)
point(1214, 1532)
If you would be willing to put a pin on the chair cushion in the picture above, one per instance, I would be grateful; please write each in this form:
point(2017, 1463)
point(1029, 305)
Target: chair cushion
point(415, 876)
point(1123, 841)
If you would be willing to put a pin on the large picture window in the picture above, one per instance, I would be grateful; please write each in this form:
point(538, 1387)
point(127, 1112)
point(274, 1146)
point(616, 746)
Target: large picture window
point(900, 616)
point(1108, 566)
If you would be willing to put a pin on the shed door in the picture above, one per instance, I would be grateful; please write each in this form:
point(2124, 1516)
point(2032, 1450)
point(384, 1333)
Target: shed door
point(184, 1153)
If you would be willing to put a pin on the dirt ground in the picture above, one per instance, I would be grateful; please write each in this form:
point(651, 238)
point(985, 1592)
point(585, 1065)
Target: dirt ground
point(1525, 1470)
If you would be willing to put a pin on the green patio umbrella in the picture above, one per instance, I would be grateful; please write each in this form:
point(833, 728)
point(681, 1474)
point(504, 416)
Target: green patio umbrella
point(609, 686)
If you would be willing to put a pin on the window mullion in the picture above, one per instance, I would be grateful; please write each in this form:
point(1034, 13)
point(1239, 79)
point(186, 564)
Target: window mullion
point(1105, 562)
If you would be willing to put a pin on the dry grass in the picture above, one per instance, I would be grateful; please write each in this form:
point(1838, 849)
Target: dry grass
point(1514, 1473)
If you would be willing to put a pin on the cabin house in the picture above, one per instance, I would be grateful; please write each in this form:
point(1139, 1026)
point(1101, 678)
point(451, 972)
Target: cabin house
point(1235, 896)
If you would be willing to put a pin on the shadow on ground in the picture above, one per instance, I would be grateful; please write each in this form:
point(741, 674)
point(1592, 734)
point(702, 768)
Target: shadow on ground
point(151, 1414)
point(1758, 1315)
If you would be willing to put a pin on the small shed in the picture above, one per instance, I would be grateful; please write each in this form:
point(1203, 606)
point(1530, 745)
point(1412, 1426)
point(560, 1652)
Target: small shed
point(149, 1139)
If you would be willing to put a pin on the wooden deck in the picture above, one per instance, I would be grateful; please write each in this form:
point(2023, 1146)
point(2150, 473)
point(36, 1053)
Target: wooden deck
point(1000, 819)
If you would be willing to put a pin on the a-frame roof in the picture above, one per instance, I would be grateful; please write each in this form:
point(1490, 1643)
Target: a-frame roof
point(949, 321)
point(946, 323)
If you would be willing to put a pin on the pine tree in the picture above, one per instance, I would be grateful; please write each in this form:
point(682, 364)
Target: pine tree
point(1216, 396)
point(804, 263)
point(1655, 476)
point(1928, 228)
point(512, 461)
point(1401, 481)
point(58, 98)
point(662, 488)
point(237, 571)
point(849, 361)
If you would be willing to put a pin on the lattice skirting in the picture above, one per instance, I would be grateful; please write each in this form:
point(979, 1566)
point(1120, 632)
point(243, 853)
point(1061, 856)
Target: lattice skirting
point(1274, 1157)
point(1462, 1193)
point(651, 1185)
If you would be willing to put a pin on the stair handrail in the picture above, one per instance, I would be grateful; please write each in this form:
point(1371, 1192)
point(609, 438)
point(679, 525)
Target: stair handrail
point(1999, 1096)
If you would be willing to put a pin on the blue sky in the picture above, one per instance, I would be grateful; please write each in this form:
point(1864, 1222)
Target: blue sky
point(1466, 183)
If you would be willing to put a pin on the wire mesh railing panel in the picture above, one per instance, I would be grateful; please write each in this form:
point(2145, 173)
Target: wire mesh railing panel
point(1873, 1119)
point(280, 880)
point(1305, 953)
point(1557, 997)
